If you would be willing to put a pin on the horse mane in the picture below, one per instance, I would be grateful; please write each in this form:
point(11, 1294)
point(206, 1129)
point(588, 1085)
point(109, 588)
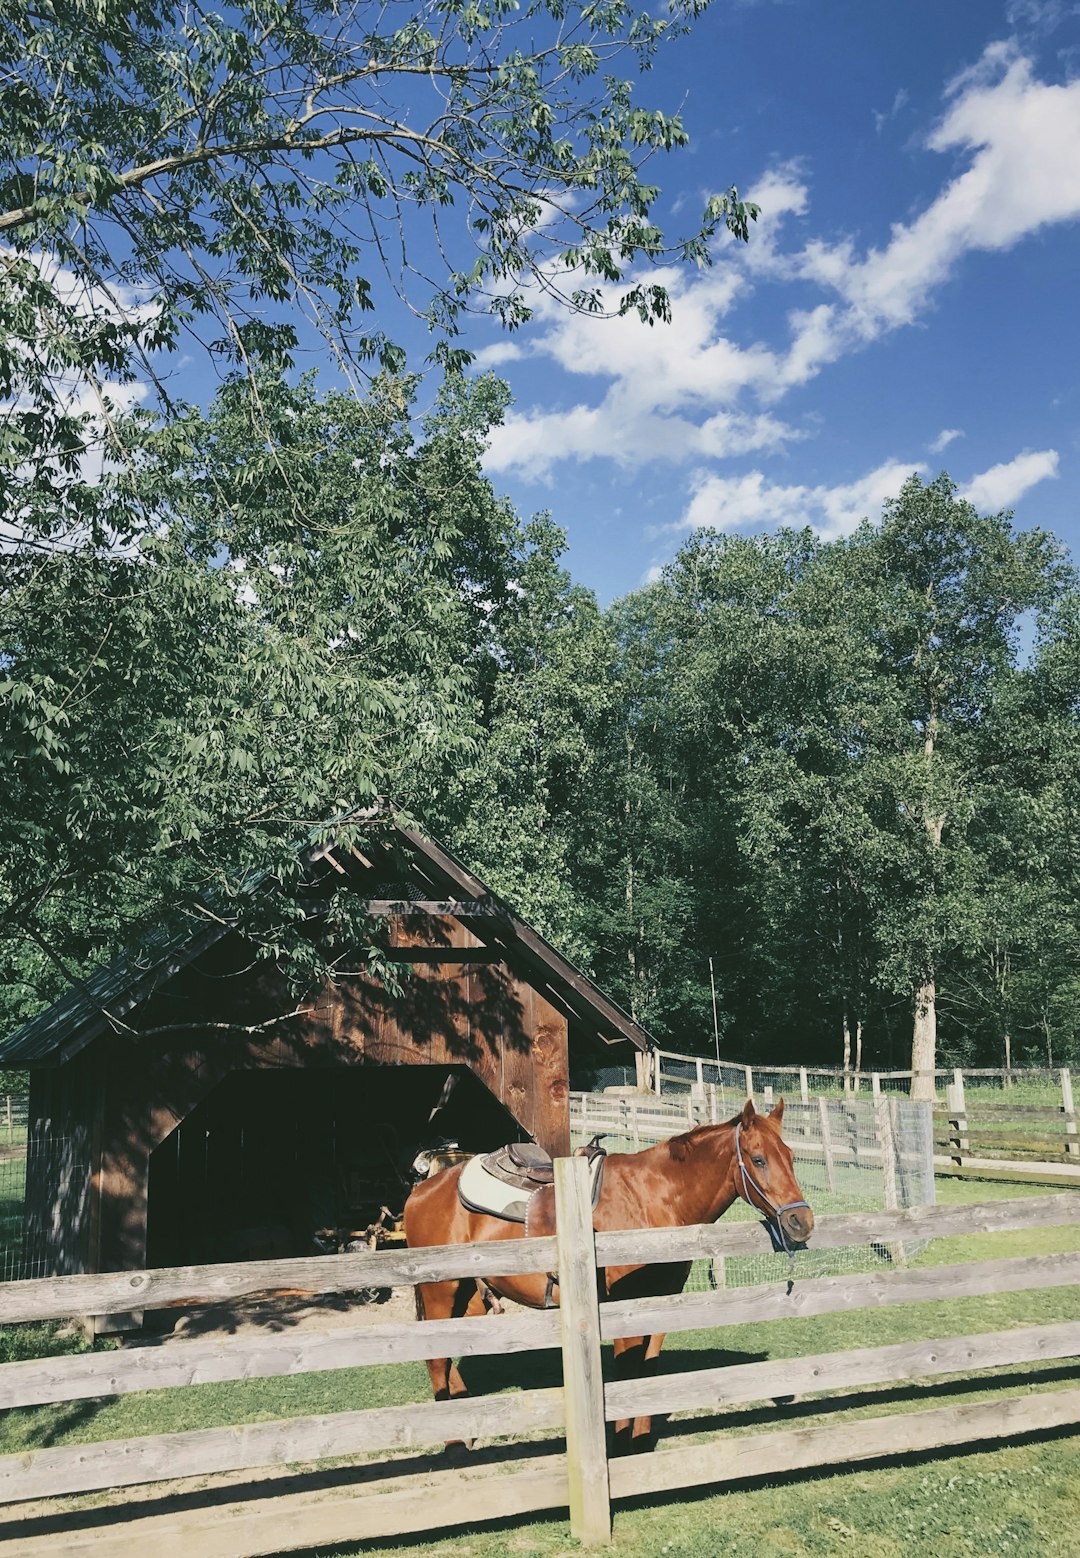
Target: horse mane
point(682, 1146)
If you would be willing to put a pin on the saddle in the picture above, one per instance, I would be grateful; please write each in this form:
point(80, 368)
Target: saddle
point(503, 1182)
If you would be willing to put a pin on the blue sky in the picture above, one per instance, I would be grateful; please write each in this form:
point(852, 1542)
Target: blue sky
point(910, 299)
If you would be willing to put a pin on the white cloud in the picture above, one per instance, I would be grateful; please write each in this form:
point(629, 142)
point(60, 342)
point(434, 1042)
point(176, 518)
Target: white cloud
point(1003, 485)
point(701, 390)
point(496, 354)
point(738, 502)
point(900, 101)
point(1024, 139)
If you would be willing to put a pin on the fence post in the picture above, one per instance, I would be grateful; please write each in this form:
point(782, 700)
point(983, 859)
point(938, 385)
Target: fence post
point(804, 1086)
point(826, 1143)
point(875, 1086)
point(749, 1082)
point(10, 1121)
point(1072, 1146)
point(958, 1118)
point(768, 1098)
point(888, 1151)
point(583, 1386)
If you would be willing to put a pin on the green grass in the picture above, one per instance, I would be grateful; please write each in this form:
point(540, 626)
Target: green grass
point(1019, 1500)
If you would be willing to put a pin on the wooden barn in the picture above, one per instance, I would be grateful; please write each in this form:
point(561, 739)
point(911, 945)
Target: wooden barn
point(175, 1118)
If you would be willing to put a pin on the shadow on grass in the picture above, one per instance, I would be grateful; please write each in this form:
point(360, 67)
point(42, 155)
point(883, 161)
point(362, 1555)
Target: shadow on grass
point(253, 1493)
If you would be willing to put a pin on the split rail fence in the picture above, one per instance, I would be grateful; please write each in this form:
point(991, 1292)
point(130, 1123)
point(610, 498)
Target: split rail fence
point(1008, 1141)
point(668, 1073)
point(365, 1501)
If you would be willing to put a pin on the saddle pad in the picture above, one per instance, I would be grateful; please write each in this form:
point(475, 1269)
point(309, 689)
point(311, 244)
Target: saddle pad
point(480, 1191)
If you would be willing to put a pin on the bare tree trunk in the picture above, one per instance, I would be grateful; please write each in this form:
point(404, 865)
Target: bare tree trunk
point(847, 1048)
point(924, 1041)
point(858, 1044)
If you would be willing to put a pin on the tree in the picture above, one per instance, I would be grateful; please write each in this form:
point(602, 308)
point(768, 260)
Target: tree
point(238, 182)
point(298, 635)
point(520, 810)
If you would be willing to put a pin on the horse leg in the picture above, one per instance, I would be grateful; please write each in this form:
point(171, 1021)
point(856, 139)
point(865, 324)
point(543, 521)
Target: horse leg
point(629, 1364)
point(446, 1301)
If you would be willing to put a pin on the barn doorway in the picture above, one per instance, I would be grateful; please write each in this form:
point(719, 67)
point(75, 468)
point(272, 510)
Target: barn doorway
point(271, 1158)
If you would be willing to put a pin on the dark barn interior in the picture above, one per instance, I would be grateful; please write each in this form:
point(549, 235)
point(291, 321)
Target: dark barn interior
point(272, 1158)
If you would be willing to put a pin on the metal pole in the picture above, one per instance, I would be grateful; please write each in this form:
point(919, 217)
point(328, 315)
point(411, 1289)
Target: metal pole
point(715, 1023)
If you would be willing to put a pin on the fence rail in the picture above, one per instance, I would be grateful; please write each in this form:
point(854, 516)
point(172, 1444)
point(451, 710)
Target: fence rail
point(583, 1480)
point(669, 1073)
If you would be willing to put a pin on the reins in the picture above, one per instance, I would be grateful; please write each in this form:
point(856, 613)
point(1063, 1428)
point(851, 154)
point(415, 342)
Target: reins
point(780, 1240)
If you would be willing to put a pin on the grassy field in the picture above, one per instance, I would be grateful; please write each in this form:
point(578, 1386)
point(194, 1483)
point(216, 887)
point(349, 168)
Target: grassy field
point(1018, 1500)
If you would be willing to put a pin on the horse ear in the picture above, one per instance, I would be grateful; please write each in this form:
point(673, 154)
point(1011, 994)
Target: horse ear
point(749, 1113)
point(778, 1113)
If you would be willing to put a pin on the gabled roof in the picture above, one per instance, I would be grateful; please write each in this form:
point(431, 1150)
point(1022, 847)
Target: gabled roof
point(401, 873)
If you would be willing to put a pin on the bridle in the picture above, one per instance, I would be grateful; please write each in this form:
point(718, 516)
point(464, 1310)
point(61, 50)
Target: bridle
point(773, 1212)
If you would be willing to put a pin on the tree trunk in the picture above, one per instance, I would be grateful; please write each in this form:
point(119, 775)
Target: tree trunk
point(858, 1044)
point(847, 1049)
point(924, 1041)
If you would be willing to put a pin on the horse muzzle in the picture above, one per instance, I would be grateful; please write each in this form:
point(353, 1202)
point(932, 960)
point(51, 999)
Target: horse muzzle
point(797, 1224)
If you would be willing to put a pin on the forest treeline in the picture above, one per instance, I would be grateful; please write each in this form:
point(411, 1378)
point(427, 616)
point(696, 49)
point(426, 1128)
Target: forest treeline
point(844, 772)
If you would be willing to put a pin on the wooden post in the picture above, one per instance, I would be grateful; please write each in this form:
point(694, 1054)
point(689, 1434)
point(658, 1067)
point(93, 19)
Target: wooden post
point(826, 1143)
point(768, 1099)
point(1072, 1145)
point(749, 1082)
point(583, 1386)
point(804, 1086)
point(714, 1104)
point(10, 1121)
point(958, 1119)
point(875, 1086)
point(888, 1151)
point(700, 1074)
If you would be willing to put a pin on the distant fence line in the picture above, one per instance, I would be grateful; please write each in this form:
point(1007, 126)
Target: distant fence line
point(247, 1522)
point(667, 1071)
point(1029, 1132)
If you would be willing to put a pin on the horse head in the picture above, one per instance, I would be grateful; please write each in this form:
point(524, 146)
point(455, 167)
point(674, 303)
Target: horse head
point(765, 1178)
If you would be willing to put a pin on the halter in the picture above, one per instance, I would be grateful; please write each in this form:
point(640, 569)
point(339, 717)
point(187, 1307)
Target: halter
point(774, 1213)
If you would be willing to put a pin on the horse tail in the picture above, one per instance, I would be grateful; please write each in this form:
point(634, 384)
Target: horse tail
point(418, 1299)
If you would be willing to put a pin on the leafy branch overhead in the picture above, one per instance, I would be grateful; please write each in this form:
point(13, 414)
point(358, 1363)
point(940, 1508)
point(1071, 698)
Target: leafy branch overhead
point(236, 181)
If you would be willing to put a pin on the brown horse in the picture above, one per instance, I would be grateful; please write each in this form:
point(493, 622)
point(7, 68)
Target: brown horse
point(692, 1178)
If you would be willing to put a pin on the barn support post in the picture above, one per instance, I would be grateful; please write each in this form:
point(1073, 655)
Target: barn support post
point(583, 1386)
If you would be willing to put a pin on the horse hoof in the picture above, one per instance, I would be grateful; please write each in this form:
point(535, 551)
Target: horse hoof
point(457, 1449)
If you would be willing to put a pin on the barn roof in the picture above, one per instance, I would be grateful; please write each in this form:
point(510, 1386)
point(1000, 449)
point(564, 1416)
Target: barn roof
point(400, 871)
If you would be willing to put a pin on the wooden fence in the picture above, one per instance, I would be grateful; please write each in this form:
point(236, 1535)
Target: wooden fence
point(363, 1502)
point(669, 1073)
point(1009, 1141)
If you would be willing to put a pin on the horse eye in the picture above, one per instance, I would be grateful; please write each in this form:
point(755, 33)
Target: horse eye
point(759, 1163)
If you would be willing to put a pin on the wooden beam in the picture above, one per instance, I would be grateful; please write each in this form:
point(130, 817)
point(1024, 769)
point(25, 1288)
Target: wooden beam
point(57, 1298)
point(369, 1511)
point(710, 1388)
point(836, 1295)
point(787, 1450)
point(583, 1386)
point(702, 1241)
point(119, 1463)
point(171, 1364)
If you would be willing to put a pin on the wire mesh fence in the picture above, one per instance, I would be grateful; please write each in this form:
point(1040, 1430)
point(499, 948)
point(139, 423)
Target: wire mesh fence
point(43, 1178)
point(851, 1154)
